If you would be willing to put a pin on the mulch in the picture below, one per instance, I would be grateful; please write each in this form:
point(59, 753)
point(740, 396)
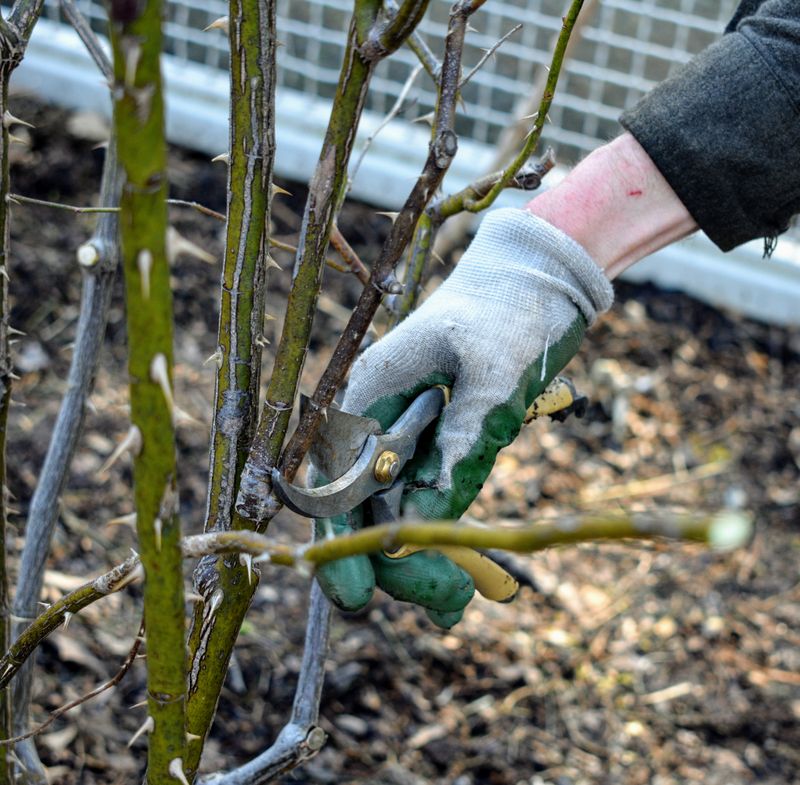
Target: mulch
point(620, 663)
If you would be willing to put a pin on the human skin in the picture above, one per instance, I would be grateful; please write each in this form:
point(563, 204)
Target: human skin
point(617, 205)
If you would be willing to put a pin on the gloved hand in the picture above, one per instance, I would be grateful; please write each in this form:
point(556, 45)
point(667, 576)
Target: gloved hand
point(504, 323)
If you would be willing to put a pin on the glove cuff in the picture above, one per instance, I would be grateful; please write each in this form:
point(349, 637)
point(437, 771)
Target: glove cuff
point(515, 254)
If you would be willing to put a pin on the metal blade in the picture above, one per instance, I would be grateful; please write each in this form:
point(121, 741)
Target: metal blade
point(339, 440)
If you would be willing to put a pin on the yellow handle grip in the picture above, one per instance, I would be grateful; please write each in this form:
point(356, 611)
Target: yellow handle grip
point(490, 579)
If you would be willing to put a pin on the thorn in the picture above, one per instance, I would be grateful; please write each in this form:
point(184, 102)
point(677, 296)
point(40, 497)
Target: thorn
point(261, 341)
point(223, 23)
point(425, 118)
point(246, 560)
point(144, 261)
point(132, 56)
point(101, 146)
point(18, 139)
point(90, 406)
point(391, 216)
point(176, 771)
point(190, 737)
point(177, 244)
point(15, 331)
point(272, 263)
point(160, 375)
point(182, 417)
point(148, 726)
point(215, 358)
point(222, 157)
point(157, 527)
point(215, 601)
point(17, 762)
point(193, 596)
point(123, 520)
point(437, 257)
point(276, 189)
point(139, 704)
point(9, 120)
point(15, 377)
point(470, 29)
point(131, 442)
point(269, 317)
point(4, 273)
point(67, 618)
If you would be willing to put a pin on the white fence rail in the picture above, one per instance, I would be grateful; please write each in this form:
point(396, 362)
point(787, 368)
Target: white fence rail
point(626, 47)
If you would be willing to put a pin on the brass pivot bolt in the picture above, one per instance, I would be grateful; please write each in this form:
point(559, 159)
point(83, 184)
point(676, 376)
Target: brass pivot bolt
point(387, 466)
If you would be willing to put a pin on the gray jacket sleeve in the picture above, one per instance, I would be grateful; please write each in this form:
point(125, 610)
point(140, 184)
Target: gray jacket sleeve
point(725, 130)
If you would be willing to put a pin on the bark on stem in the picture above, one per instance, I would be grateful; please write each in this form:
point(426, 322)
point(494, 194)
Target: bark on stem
point(255, 500)
point(6, 370)
point(136, 42)
point(441, 153)
point(215, 625)
point(97, 285)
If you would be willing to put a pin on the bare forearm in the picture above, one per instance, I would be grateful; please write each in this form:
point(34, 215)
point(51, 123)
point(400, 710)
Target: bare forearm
point(617, 205)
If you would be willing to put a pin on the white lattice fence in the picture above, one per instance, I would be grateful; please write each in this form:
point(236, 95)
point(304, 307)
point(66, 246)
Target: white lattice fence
point(626, 47)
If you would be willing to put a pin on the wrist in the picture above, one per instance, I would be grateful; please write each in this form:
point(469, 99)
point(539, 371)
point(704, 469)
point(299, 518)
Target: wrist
point(616, 205)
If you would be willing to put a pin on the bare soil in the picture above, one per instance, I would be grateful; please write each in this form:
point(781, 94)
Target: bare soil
point(626, 663)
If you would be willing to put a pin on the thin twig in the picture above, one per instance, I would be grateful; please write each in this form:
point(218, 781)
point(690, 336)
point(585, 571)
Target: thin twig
point(112, 682)
point(488, 53)
point(441, 153)
point(90, 40)
point(201, 208)
point(544, 107)
point(721, 530)
point(416, 43)
point(97, 285)
point(390, 115)
point(351, 258)
point(528, 178)
point(20, 199)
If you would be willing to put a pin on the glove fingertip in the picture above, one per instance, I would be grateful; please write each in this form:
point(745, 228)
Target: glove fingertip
point(444, 619)
point(348, 583)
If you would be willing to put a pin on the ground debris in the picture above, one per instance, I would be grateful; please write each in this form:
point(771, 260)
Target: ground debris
point(617, 664)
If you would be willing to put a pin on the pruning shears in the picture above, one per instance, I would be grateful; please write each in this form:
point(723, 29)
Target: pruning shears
point(365, 463)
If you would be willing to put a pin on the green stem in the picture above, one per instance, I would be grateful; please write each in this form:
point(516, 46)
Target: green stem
point(721, 530)
point(59, 612)
point(136, 41)
point(255, 501)
point(532, 140)
point(224, 582)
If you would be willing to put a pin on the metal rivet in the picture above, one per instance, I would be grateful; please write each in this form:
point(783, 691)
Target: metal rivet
point(387, 466)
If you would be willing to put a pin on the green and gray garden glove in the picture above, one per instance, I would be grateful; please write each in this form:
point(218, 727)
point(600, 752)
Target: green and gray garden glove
point(505, 322)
